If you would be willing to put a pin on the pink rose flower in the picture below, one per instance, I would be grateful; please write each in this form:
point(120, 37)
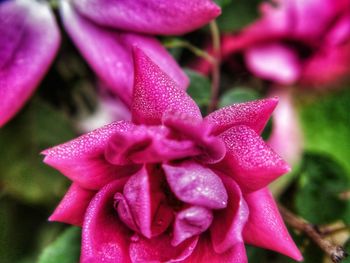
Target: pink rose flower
point(170, 186)
point(29, 39)
point(104, 32)
point(295, 41)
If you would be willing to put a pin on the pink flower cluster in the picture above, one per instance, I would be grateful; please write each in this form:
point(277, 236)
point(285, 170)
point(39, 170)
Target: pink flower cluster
point(104, 32)
point(171, 186)
point(295, 41)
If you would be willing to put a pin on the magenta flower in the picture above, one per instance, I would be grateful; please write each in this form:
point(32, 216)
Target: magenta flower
point(104, 32)
point(171, 186)
point(304, 41)
point(29, 39)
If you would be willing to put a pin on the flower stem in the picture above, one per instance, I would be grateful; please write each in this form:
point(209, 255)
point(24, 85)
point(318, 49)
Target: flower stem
point(335, 252)
point(215, 84)
point(173, 43)
point(329, 230)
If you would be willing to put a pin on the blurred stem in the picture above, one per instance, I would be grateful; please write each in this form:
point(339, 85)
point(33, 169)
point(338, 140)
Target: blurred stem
point(54, 4)
point(329, 231)
point(215, 84)
point(173, 43)
point(335, 252)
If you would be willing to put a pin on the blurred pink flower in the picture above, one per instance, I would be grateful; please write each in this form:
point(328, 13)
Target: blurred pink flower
point(29, 39)
point(304, 41)
point(104, 32)
point(286, 137)
point(170, 185)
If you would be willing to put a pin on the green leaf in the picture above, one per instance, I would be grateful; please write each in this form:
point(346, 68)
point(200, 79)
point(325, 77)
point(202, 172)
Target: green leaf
point(8, 245)
point(65, 249)
point(237, 14)
point(223, 3)
point(22, 172)
point(199, 88)
point(312, 253)
point(321, 181)
point(347, 249)
point(326, 128)
point(238, 95)
point(256, 254)
point(21, 228)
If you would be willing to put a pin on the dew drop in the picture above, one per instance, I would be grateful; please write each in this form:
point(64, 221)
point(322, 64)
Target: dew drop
point(160, 222)
point(135, 238)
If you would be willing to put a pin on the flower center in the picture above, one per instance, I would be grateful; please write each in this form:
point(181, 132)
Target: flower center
point(172, 198)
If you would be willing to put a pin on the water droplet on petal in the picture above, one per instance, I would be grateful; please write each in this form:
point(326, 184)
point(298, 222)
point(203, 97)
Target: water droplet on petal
point(160, 222)
point(135, 238)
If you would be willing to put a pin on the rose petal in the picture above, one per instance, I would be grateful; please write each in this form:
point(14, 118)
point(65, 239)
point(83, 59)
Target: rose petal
point(82, 159)
point(265, 227)
point(263, 30)
point(146, 144)
point(274, 62)
point(252, 162)
point(204, 253)
point(155, 93)
point(155, 50)
point(190, 222)
point(212, 149)
point(253, 114)
point(226, 229)
point(323, 13)
point(194, 184)
point(159, 249)
point(29, 39)
point(72, 207)
point(340, 32)
point(137, 193)
point(286, 137)
point(327, 66)
point(105, 238)
point(169, 17)
point(147, 203)
point(124, 212)
point(109, 52)
point(162, 219)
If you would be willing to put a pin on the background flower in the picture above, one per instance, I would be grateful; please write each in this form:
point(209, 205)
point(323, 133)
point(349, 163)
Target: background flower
point(310, 44)
point(30, 38)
